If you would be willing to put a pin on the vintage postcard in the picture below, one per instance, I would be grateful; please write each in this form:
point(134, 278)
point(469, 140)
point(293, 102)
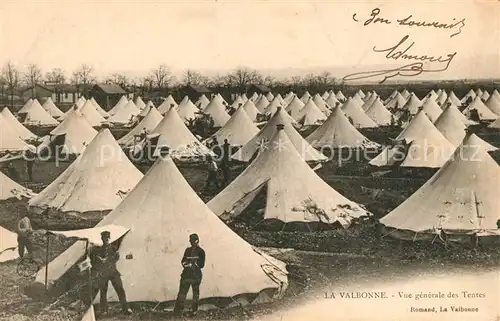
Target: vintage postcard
point(249, 160)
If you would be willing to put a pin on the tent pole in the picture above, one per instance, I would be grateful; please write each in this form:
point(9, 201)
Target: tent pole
point(47, 247)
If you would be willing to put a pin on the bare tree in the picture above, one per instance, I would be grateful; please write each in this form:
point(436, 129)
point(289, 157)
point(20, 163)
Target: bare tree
point(11, 76)
point(270, 81)
point(120, 80)
point(32, 77)
point(146, 84)
point(296, 81)
point(325, 79)
point(162, 77)
point(191, 77)
point(57, 78)
point(242, 77)
point(83, 77)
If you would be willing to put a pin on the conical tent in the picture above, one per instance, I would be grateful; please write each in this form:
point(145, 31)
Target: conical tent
point(238, 130)
point(10, 189)
point(262, 104)
point(493, 104)
point(77, 130)
point(37, 116)
point(221, 99)
point(21, 131)
point(10, 140)
point(340, 96)
point(453, 99)
point(168, 103)
point(251, 110)
point(432, 109)
point(294, 107)
point(428, 147)
point(396, 103)
point(217, 111)
point(139, 103)
point(52, 109)
point(321, 104)
point(261, 140)
point(496, 94)
point(149, 122)
point(244, 97)
point(325, 95)
point(90, 113)
point(282, 101)
point(310, 114)
point(356, 98)
point(454, 109)
point(458, 199)
point(442, 98)
point(254, 97)
point(483, 112)
point(289, 97)
point(332, 101)
point(470, 94)
point(92, 182)
point(161, 217)
point(269, 96)
point(378, 113)
point(99, 109)
point(273, 106)
point(305, 97)
point(360, 93)
point(338, 132)
point(290, 198)
point(391, 97)
point(412, 104)
point(80, 102)
point(202, 102)
point(125, 114)
point(368, 102)
point(485, 96)
point(26, 105)
point(406, 94)
point(122, 102)
point(353, 110)
point(8, 245)
point(238, 102)
point(187, 110)
point(174, 134)
point(476, 141)
point(479, 92)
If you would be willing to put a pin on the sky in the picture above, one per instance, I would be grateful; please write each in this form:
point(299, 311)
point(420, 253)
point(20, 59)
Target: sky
point(282, 38)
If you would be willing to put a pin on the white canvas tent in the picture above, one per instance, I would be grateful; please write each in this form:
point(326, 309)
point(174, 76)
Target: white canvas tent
point(36, 115)
point(428, 147)
point(121, 102)
point(262, 104)
point(396, 103)
point(77, 130)
point(10, 189)
point(99, 109)
point(273, 106)
point(202, 102)
point(453, 99)
point(20, 131)
point(217, 111)
point(378, 113)
point(294, 107)
point(332, 101)
point(261, 140)
point(338, 132)
point(352, 109)
point(483, 112)
point(168, 103)
point(124, 114)
point(299, 198)
point(149, 123)
point(92, 183)
point(432, 109)
point(412, 104)
point(187, 110)
point(8, 245)
point(238, 130)
point(458, 199)
point(161, 217)
point(251, 110)
point(52, 109)
point(310, 114)
point(10, 139)
point(90, 112)
point(174, 134)
point(321, 104)
point(493, 104)
point(305, 97)
point(340, 96)
point(139, 103)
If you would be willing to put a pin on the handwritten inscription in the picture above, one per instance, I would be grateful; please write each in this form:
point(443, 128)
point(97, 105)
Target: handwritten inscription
point(404, 49)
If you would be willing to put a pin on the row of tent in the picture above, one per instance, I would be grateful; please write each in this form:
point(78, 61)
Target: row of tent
point(457, 199)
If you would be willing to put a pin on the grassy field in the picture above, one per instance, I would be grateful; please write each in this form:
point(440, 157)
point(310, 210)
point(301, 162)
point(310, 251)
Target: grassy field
point(332, 256)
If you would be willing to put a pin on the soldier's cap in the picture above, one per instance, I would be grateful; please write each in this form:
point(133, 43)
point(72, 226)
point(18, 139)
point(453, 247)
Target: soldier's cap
point(106, 234)
point(194, 237)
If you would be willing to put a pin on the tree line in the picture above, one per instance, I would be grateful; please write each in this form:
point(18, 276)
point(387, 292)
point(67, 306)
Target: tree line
point(159, 78)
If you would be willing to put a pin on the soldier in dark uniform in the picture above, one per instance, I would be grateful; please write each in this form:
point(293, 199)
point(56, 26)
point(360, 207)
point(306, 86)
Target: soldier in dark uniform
point(103, 259)
point(193, 261)
point(226, 162)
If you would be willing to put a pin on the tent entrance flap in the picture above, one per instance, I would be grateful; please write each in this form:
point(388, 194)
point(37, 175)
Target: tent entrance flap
point(242, 204)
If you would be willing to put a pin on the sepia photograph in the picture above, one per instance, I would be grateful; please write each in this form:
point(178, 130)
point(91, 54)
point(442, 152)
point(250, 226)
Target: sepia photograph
point(252, 160)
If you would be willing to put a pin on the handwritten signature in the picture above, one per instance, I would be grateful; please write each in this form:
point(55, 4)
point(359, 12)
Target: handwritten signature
point(408, 21)
point(409, 70)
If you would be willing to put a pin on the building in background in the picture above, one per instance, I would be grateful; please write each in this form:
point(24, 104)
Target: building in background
point(107, 95)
